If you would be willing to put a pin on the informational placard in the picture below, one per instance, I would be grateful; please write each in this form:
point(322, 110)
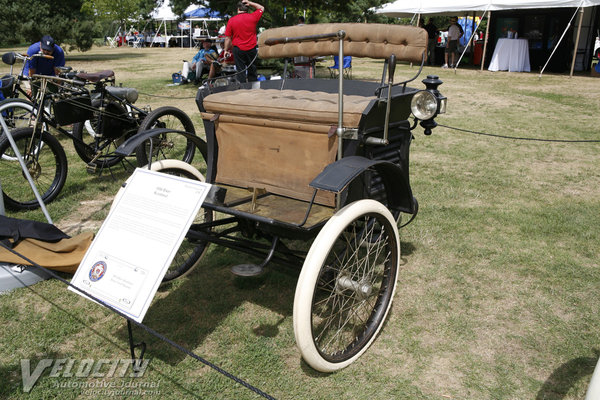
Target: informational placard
point(138, 240)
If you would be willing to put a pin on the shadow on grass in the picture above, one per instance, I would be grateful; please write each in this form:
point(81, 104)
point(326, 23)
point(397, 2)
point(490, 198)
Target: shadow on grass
point(407, 248)
point(194, 308)
point(11, 374)
point(268, 330)
point(14, 377)
point(311, 372)
point(566, 376)
point(119, 172)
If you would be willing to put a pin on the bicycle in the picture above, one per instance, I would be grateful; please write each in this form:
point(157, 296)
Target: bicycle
point(11, 89)
point(102, 118)
point(115, 118)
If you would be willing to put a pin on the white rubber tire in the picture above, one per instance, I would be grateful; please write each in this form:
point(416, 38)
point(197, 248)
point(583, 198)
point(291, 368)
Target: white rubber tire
point(305, 288)
point(165, 164)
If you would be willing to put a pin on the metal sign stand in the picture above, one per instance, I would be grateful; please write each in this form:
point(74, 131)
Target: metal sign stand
point(136, 362)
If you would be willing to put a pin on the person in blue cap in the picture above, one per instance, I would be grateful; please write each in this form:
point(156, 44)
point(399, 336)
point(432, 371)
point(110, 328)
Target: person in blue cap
point(41, 65)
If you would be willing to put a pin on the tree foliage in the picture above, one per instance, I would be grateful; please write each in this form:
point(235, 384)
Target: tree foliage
point(28, 20)
point(77, 22)
point(286, 12)
point(120, 11)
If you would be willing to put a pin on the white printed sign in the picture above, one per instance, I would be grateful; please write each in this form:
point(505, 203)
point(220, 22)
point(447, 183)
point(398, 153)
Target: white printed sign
point(138, 240)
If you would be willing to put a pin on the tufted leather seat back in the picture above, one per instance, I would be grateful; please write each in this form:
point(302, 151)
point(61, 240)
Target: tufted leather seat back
point(362, 40)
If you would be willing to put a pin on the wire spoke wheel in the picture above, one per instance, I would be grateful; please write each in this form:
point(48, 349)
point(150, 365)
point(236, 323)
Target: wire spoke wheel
point(46, 162)
point(346, 285)
point(17, 113)
point(190, 252)
point(169, 145)
point(96, 139)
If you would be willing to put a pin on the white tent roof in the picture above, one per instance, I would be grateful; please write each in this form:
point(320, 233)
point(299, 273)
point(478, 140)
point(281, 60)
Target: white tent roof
point(193, 6)
point(190, 8)
point(407, 8)
point(164, 12)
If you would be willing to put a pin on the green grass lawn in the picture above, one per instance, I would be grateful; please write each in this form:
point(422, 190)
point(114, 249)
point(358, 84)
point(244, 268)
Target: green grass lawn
point(496, 294)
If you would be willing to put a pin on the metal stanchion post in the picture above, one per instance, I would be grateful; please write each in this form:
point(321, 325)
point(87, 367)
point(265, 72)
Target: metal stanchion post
point(2, 212)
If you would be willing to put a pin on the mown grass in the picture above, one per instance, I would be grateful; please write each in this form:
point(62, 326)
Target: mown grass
point(497, 293)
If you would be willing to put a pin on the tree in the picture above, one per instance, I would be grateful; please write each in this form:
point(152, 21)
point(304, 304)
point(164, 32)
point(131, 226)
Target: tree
point(285, 12)
point(121, 11)
point(28, 20)
point(71, 22)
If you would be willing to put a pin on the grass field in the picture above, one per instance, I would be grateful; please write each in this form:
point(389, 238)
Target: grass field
point(496, 295)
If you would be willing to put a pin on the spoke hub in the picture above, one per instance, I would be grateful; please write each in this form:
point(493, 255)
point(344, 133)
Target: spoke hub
point(362, 289)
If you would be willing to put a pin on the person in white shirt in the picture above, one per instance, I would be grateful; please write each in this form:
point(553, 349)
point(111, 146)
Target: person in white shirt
point(455, 32)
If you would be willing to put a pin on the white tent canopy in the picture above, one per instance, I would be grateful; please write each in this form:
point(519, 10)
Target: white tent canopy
point(201, 14)
point(164, 12)
point(405, 8)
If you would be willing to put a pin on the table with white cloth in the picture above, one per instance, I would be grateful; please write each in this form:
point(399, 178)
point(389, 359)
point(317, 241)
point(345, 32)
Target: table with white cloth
point(176, 40)
point(511, 55)
point(157, 41)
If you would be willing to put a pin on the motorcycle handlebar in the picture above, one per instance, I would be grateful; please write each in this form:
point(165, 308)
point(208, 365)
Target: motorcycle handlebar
point(47, 57)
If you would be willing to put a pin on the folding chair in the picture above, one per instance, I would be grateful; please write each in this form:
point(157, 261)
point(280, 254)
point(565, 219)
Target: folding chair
point(346, 68)
point(112, 41)
point(197, 38)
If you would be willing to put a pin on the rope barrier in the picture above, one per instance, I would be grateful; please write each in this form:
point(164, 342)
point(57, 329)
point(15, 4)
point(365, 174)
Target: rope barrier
point(146, 328)
point(166, 97)
point(521, 138)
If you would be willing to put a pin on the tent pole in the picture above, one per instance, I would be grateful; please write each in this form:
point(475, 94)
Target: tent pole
point(485, 42)
point(117, 34)
point(559, 41)
point(469, 44)
point(418, 20)
point(472, 46)
point(166, 37)
point(576, 42)
point(157, 33)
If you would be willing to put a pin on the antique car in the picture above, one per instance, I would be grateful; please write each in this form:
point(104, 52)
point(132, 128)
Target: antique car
point(313, 175)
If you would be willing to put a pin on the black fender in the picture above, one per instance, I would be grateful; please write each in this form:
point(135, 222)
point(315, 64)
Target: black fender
point(128, 147)
point(338, 175)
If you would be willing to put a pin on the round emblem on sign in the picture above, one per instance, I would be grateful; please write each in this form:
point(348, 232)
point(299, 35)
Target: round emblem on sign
point(97, 271)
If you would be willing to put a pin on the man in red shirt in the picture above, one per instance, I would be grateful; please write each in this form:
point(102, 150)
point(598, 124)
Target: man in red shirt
point(240, 37)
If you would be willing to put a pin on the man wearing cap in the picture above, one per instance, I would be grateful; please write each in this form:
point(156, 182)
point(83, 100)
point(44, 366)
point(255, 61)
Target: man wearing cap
point(203, 60)
point(44, 65)
point(455, 32)
point(240, 38)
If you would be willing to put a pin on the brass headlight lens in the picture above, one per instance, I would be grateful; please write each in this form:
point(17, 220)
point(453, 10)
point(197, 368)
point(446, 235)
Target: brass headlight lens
point(424, 105)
